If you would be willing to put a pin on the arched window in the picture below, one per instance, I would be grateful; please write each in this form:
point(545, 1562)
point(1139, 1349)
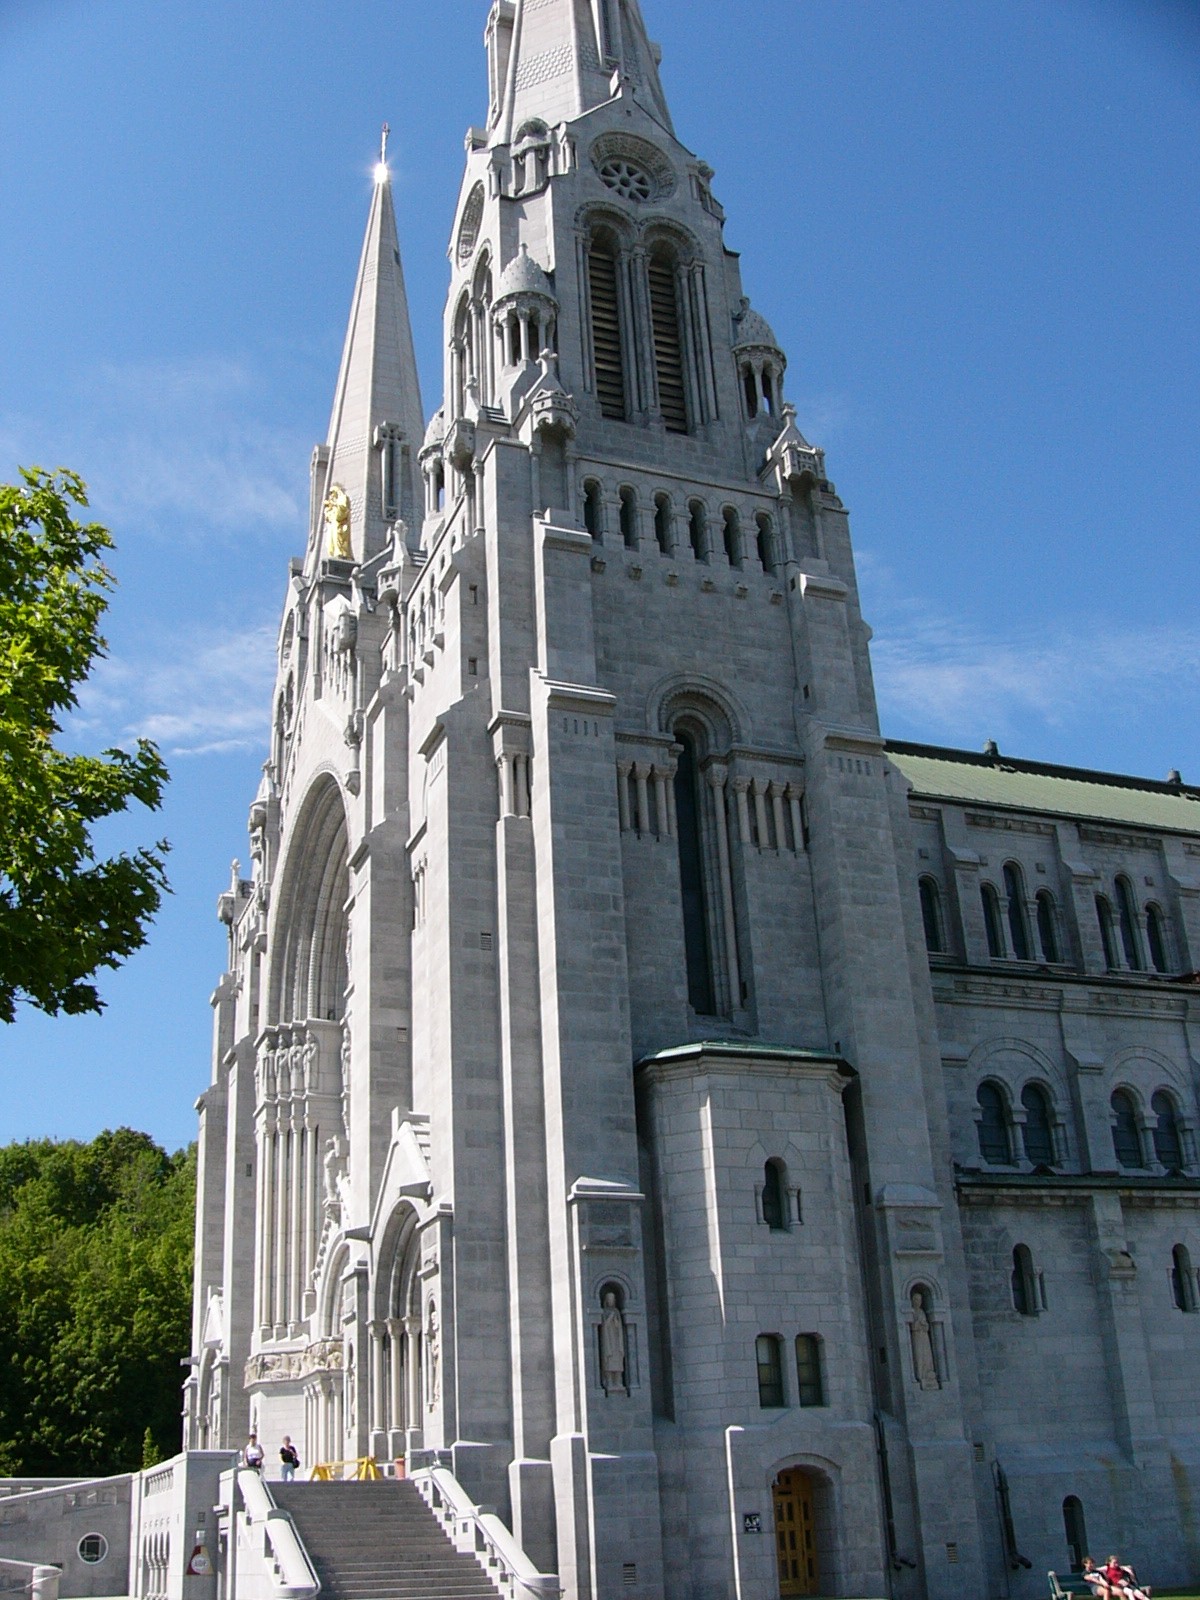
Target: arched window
point(607, 349)
point(662, 522)
point(994, 1144)
point(1168, 1147)
point(1018, 925)
point(1127, 909)
point(629, 518)
point(775, 1196)
point(701, 996)
point(1076, 1532)
point(1047, 923)
point(810, 1390)
point(733, 537)
point(1025, 1295)
point(668, 343)
point(768, 1355)
point(1037, 1135)
point(1108, 936)
point(931, 916)
point(991, 921)
point(770, 387)
point(1126, 1136)
point(697, 529)
point(1156, 933)
point(593, 509)
point(750, 390)
point(766, 553)
point(1183, 1279)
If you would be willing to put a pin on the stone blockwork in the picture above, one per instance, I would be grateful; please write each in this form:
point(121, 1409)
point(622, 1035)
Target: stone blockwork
point(636, 1084)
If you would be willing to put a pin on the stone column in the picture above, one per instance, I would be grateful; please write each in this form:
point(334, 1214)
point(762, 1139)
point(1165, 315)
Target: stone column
point(775, 790)
point(741, 788)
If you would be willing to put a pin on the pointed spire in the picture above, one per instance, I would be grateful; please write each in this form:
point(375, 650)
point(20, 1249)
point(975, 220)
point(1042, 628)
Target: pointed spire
point(563, 57)
point(377, 424)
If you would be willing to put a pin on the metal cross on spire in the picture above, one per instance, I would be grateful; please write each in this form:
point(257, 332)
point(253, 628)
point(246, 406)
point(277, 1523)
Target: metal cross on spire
point(383, 145)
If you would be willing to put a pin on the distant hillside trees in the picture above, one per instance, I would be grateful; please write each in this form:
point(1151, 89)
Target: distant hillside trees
point(95, 1291)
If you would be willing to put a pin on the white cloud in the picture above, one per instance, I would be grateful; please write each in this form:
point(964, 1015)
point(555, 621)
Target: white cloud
point(194, 695)
point(957, 679)
point(174, 448)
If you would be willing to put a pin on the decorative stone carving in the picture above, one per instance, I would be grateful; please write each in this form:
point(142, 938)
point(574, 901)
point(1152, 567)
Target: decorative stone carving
point(633, 168)
point(614, 1347)
point(924, 1365)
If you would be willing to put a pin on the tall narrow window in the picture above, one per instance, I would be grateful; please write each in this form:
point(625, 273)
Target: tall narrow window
point(607, 348)
point(1126, 1136)
point(1127, 912)
point(770, 1371)
point(629, 518)
point(1108, 935)
point(775, 1196)
point(733, 537)
point(1156, 934)
point(1183, 1279)
point(1018, 925)
point(662, 522)
point(593, 510)
point(668, 346)
point(810, 1390)
point(994, 1144)
point(931, 916)
point(1024, 1282)
point(697, 529)
point(1047, 922)
point(991, 921)
point(1075, 1530)
point(691, 880)
point(1168, 1147)
point(1037, 1134)
point(750, 386)
point(766, 554)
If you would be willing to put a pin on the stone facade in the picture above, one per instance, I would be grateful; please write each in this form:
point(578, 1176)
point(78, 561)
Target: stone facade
point(622, 1084)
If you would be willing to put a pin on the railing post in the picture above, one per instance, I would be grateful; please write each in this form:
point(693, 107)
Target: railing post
point(45, 1583)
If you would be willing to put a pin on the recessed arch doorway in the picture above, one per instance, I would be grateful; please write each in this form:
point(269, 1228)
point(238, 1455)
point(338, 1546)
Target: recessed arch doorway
point(794, 1494)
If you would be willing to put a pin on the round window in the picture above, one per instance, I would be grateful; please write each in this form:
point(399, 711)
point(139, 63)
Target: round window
point(628, 180)
point(93, 1547)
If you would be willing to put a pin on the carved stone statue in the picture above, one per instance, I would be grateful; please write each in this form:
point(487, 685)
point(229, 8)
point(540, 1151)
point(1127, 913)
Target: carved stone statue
point(337, 524)
point(924, 1366)
point(431, 1356)
point(613, 1346)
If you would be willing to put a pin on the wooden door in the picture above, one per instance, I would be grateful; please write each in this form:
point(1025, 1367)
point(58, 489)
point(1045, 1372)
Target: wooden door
point(795, 1533)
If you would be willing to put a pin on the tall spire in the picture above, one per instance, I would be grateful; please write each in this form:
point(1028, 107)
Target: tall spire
point(377, 424)
point(559, 58)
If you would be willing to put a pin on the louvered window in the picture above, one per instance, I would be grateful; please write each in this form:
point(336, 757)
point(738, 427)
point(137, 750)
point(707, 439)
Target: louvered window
point(606, 332)
point(668, 347)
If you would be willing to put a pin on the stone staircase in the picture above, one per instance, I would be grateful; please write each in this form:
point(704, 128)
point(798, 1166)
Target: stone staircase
point(379, 1541)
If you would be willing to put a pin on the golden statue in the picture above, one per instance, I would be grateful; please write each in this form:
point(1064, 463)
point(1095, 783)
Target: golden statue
point(337, 524)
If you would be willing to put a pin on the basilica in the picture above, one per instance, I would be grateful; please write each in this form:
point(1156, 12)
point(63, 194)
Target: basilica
point(754, 1157)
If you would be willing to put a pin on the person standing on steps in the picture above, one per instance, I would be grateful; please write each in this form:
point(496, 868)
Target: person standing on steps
point(288, 1459)
point(252, 1454)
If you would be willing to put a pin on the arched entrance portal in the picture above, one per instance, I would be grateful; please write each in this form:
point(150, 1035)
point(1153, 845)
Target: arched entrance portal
point(794, 1495)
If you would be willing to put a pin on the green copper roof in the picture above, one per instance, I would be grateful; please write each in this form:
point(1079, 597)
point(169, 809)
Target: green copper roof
point(998, 780)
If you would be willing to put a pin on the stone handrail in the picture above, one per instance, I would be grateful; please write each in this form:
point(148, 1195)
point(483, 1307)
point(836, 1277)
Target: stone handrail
point(23, 1577)
point(481, 1533)
point(293, 1575)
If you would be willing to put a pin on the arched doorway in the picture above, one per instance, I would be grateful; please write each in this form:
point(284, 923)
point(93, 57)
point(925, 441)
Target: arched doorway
point(794, 1496)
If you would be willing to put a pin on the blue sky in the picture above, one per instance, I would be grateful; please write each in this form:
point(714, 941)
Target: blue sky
point(973, 223)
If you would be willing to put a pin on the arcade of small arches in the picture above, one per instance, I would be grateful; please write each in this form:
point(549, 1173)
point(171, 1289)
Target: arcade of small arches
point(1153, 1136)
point(1134, 938)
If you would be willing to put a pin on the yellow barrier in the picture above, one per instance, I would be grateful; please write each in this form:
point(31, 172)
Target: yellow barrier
point(366, 1468)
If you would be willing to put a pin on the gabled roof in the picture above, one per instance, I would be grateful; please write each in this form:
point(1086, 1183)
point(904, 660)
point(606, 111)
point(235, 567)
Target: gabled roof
point(963, 776)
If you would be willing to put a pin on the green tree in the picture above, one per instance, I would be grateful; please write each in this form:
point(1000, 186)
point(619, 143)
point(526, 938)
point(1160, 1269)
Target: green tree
point(95, 1297)
point(63, 913)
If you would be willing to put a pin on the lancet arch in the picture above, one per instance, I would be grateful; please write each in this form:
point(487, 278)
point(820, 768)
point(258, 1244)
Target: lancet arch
point(309, 972)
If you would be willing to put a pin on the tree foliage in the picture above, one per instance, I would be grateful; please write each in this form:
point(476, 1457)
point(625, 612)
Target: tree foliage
point(95, 1292)
point(63, 913)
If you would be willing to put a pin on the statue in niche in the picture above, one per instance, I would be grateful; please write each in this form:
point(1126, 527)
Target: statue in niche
point(613, 1346)
point(337, 524)
point(924, 1366)
point(431, 1356)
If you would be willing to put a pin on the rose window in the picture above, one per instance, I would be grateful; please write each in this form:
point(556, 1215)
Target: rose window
point(629, 181)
